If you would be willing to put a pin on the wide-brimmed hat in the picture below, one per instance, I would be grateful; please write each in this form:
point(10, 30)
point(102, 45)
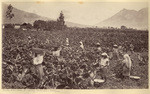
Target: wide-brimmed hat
point(98, 44)
point(29, 37)
point(80, 42)
point(115, 46)
point(104, 54)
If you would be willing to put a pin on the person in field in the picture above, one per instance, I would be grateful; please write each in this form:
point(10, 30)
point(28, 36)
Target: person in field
point(29, 40)
point(57, 54)
point(56, 51)
point(139, 57)
point(132, 48)
point(47, 41)
point(37, 62)
point(81, 45)
point(104, 63)
point(99, 49)
point(120, 48)
point(127, 64)
point(142, 60)
point(115, 54)
point(67, 42)
point(37, 57)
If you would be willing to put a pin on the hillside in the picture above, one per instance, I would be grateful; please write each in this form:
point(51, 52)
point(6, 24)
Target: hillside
point(22, 16)
point(129, 18)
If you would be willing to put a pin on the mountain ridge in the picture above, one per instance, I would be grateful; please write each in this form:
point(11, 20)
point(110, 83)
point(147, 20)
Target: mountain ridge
point(128, 18)
point(27, 17)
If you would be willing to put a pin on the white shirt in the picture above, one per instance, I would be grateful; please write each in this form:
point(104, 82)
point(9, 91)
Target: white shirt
point(38, 60)
point(67, 41)
point(140, 58)
point(81, 45)
point(104, 62)
point(127, 60)
point(56, 53)
point(99, 49)
point(115, 50)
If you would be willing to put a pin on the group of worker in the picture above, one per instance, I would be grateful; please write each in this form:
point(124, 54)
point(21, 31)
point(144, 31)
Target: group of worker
point(104, 62)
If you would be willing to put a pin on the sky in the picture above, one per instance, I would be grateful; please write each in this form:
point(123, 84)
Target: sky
point(86, 13)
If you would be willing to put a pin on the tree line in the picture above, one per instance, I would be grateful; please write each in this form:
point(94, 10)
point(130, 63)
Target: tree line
point(38, 24)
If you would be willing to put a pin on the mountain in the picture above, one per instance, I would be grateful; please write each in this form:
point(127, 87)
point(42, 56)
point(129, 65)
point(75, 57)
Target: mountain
point(71, 24)
point(128, 18)
point(22, 17)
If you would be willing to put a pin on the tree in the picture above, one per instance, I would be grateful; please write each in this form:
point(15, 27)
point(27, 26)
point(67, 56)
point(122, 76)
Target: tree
point(60, 21)
point(51, 25)
point(26, 26)
point(39, 24)
point(123, 27)
point(9, 13)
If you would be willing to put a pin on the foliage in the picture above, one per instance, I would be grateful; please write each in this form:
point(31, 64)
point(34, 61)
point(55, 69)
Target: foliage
point(26, 25)
point(123, 27)
point(60, 21)
point(39, 24)
point(50, 25)
point(9, 26)
point(9, 13)
point(73, 68)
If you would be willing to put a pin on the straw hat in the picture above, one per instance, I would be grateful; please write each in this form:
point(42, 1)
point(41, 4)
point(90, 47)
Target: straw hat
point(104, 54)
point(115, 46)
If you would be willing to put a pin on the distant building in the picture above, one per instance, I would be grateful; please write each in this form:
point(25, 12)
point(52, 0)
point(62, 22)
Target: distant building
point(16, 26)
point(24, 29)
point(26, 26)
point(3, 26)
point(7, 26)
point(123, 27)
point(33, 29)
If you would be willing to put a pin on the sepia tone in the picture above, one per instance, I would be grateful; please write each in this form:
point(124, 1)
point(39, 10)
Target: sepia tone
point(75, 49)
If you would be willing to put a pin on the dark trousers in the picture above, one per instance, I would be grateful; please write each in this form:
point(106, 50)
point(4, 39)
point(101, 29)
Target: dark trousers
point(103, 72)
point(40, 71)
